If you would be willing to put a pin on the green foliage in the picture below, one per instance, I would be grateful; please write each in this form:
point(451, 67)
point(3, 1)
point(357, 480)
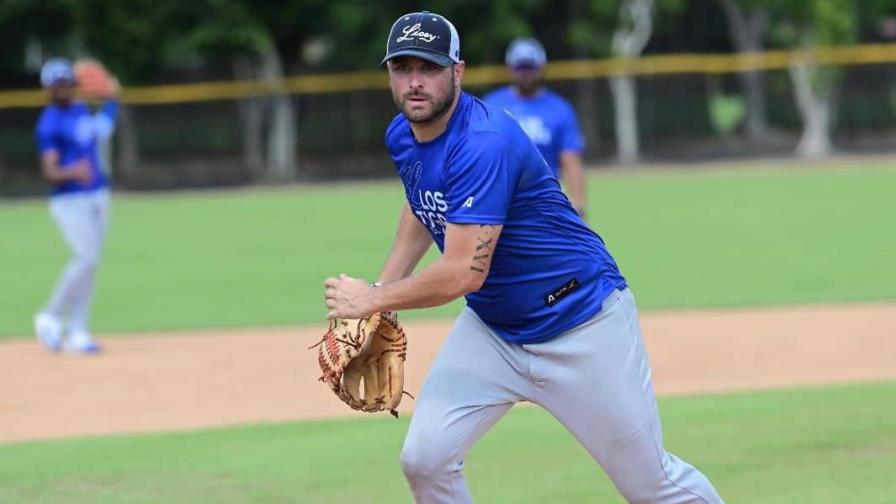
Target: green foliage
point(700, 239)
point(139, 38)
point(726, 112)
point(357, 31)
point(813, 22)
point(820, 445)
point(592, 32)
point(496, 24)
point(21, 21)
point(129, 37)
point(224, 28)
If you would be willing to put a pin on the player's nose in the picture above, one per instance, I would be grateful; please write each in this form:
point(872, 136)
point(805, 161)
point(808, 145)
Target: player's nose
point(415, 79)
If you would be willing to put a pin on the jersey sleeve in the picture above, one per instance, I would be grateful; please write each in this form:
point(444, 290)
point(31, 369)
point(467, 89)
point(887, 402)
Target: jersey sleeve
point(104, 119)
point(45, 135)
point(571, 138)
point(482, 173)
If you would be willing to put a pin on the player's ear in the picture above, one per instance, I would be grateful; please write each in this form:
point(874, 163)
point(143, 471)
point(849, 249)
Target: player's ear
point(459, 71)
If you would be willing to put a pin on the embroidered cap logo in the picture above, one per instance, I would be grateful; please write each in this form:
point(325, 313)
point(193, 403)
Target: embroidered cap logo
point(414, 31)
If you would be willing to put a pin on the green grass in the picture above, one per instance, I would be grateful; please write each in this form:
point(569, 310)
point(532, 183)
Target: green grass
point(258, 257)
point(824, 445)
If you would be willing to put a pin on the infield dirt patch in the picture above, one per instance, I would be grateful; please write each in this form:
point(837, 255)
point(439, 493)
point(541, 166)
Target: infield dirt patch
point(174, 381)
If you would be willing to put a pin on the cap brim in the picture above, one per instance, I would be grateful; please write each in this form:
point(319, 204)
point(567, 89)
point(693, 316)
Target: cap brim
point(525, 63)
point(65, 81)
point(437, 58)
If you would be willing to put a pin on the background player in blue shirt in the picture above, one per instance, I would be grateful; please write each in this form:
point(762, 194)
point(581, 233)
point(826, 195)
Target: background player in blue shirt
point(548, 119)
point(68, 135)
point(549, 318)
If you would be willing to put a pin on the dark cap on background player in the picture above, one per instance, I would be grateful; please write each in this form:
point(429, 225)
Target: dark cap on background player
point(526, 58)
point(57, 76)
point(57, 71)
point(424, 35)
point(525, 53)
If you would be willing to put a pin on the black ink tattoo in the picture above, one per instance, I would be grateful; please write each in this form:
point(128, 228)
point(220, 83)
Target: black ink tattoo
point(480, 260)
point(484, 244)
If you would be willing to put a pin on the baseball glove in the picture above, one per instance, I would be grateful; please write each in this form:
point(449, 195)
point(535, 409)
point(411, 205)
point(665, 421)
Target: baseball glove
point(94, 82)
point(370, 350)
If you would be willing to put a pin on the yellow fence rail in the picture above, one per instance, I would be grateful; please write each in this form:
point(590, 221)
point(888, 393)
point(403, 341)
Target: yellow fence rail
point(486, 75)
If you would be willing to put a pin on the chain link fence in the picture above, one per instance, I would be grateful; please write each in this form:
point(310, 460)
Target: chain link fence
point(337, 135)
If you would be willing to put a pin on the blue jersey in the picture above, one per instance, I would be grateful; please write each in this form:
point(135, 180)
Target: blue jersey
point(73, 132)
point(547, 118)
point(549, 271)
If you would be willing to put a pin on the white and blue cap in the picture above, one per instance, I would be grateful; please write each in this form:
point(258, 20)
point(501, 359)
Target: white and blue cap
point(56, 70)
point(424, 35)
point(525, 52)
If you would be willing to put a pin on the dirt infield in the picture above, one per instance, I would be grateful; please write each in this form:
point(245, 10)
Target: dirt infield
point(174, 381)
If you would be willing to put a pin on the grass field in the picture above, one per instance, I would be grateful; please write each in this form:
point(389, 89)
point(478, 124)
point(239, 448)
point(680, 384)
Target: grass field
point(258, 257)
point(830, 445)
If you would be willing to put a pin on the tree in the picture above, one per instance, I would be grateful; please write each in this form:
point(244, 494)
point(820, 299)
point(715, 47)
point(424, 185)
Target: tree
point(246, 35)
point(806, 25)
point(748, 23)
point(631, 25)
point(632, 32)
point(45, 28)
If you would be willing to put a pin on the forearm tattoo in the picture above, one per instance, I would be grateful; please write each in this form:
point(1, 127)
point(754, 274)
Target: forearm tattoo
point(486, 241)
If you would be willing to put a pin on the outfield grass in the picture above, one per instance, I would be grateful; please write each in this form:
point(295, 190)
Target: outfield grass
point(826, 445)
point(258, 257)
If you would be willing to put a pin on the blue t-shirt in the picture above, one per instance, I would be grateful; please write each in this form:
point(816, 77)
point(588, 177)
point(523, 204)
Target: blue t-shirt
point(547, 118)
point(549, 272)
point(74, 132)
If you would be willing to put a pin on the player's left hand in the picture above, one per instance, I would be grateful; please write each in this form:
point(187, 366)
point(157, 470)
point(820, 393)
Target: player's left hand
point(348, 297)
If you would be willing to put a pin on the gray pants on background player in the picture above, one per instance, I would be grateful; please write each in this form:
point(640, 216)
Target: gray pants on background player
point(595, 379)
point(83, 219)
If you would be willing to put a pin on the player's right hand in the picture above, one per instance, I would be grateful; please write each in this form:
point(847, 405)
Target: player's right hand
point(81, 173)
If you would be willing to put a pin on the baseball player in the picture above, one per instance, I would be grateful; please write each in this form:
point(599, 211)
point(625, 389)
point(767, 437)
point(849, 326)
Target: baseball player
point(67, 134)
point(545, 116)
point(549, 318)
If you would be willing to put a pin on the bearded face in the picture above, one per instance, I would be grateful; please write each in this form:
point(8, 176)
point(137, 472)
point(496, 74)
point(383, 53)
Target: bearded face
point(422, 90)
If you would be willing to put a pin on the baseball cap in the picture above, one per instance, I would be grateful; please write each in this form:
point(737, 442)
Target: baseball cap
point(525, 52)
point(424, 35)
point(55, 70)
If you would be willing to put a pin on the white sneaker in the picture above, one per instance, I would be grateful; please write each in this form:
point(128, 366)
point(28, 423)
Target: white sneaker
point(82, 342)
point(49, 331)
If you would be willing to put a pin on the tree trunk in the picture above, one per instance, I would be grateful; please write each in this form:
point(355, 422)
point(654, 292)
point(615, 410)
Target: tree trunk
point(632, 33)
point(626, 118)
point(814, 104)
point(757, 123)
point(250, 113)
point(281, 145)
point(747, 29)
point(586, 91)
point(128, 160)
point(586, 100)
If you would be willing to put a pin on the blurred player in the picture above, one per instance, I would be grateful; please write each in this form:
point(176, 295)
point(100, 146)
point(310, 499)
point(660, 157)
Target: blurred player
point(545, 116)
point(549, 317)
point(68, 134)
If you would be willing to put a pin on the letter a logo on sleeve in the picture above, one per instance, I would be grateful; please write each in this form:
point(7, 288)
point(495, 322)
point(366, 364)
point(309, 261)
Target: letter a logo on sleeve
point(468, 203)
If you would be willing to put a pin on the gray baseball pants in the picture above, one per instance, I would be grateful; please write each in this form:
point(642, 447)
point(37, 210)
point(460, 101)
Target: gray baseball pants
point(595, 379)
point(83, 219)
